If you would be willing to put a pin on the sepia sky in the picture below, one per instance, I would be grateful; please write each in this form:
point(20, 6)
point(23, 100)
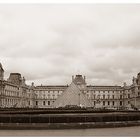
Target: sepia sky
point(49, 43)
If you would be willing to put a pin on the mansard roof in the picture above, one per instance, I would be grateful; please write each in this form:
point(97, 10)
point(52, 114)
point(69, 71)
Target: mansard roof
point(15, 85)
point(10, 84)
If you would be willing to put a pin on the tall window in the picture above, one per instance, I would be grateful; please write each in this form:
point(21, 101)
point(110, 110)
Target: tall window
point(43, 102)
point(103, 96)
point(113, 96)
point(48, 102)
point(108, 96)
point(113, 103)
point(120, 96)
point(120, 103)
point(36, 102)
point(108, 103)
point(103, 103)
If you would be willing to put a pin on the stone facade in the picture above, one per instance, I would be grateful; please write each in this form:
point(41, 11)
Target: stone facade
point(45, 96)
point(14, 93)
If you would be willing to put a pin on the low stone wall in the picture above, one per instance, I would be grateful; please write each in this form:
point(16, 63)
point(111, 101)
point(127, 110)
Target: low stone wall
point(69, 118)
point(56, 111)
point(64, 119)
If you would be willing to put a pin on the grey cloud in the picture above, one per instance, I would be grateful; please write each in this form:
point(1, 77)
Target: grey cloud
point(49, 43)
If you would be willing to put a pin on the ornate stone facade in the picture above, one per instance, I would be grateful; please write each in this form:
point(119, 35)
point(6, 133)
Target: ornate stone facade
point(15, 93)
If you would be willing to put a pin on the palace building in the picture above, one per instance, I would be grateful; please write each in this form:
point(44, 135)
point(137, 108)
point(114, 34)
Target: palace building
point(14, 93)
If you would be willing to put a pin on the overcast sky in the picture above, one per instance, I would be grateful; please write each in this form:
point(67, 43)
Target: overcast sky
point(49, 43)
